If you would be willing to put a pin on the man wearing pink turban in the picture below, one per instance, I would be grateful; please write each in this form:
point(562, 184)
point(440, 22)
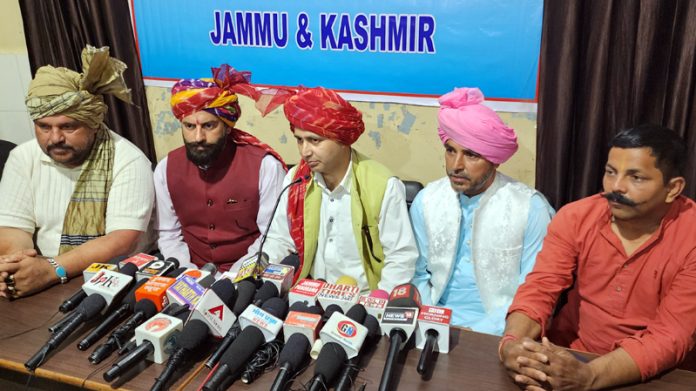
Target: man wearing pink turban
point(478, 231)
point(346, 214)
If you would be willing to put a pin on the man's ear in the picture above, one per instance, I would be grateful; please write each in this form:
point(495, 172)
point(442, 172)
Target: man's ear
point(675, 187)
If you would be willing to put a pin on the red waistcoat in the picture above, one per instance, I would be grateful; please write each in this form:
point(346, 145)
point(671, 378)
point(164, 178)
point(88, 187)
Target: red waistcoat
point(217, 207)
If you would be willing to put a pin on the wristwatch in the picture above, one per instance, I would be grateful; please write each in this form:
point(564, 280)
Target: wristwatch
point(60, 271)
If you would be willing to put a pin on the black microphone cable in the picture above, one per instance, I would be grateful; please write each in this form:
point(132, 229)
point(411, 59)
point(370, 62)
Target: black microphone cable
point(265, 359)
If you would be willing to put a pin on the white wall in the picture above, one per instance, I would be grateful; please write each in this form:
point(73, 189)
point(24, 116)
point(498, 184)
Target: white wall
point(15, 75)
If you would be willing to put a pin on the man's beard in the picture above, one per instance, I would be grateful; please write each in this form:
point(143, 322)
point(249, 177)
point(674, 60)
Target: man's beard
point(206, 157)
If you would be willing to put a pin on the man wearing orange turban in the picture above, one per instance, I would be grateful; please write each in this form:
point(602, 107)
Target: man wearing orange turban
point(216, 193)
point(346, 215)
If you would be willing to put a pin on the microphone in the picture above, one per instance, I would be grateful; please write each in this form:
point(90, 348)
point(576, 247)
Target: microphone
point(267, 291)
point(139, 260)
point(191, 337)
point(329, 362)
point(399, 323)
point(259, 325)
point(77, 297)
point(294, 353)
point(214, 307)
point(342, 295)
point(245, 293)
point(282, 275)
point(346, 330)
point(114, 318)
point(205, 276)
point(88, 309)
point(432, 335)
point(270, 221)
point(155, 340)
point(185, 291)
point(350, 371)
point(300, 331)
point(305, 291)
point(157, 267)
point(375, 302)
point(142, 310)
point(155, 289)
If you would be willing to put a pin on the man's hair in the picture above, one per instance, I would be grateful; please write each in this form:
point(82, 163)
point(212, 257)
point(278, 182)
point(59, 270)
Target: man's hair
point(664, 143)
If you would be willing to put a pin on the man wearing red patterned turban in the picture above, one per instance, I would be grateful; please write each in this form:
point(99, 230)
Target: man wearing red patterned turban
point(216, 193)
point(478, 231)
point(346, 215)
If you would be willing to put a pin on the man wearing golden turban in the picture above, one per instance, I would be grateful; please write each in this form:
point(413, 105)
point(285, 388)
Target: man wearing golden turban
point(79, 193)
point(215, 194)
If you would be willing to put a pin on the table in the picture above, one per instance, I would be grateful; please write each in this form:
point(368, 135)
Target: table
point(471, 364)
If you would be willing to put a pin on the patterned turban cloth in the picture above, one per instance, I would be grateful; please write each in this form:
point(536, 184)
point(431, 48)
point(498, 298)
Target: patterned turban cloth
point(324, 112)
point(61, 91)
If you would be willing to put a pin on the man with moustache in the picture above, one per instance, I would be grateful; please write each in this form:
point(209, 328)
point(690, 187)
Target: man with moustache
point(478, 231)
point(346, 214)
point(215, 195)
point(78, 193)
point(629, 258)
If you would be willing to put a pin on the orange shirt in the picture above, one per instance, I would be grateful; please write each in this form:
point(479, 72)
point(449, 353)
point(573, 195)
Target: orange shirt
point(644, 303)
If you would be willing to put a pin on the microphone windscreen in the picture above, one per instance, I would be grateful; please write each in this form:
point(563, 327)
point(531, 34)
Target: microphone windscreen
point(346, 280)
point(331, 309)
point(245, 293)
point(192, 335)
point(183, 315)
point(174, 261)
point(242, 348)
point(147, 307)
point(380, 294)
point(117, 260)
point(267, 290)
point(175, 273)
point(224, 289)
point(372, 325)
point(299, 306)
point(357, 312)
point(405, 295)
point(292, 260)
point(209, 267)
point(315, 309)
point(295, 351)
point(276, 307)
point(330, 361)
point(91, 305)
point(130, 296)
point(129, 269)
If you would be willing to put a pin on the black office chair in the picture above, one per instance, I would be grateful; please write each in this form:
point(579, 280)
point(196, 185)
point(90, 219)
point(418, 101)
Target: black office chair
point(412, 189)
point(5, 148)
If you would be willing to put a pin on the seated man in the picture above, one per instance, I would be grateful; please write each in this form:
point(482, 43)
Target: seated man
point(478, 231)
point(216, 193)
point(346, 215)
point(84, 192)
point(630, 257)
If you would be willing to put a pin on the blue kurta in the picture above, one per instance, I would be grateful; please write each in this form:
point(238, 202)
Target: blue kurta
point(462, 294)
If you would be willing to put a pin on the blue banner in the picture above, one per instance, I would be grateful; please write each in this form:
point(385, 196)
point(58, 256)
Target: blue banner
point(390, 47)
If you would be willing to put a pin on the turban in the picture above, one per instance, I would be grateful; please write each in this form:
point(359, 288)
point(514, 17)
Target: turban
point(324, 112)
point(465, 120)
point(217, 96)
point(61, 91)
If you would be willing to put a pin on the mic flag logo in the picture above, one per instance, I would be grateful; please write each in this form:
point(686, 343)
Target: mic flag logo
point(347, 329)
point(158, 324)
point(216, 311)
